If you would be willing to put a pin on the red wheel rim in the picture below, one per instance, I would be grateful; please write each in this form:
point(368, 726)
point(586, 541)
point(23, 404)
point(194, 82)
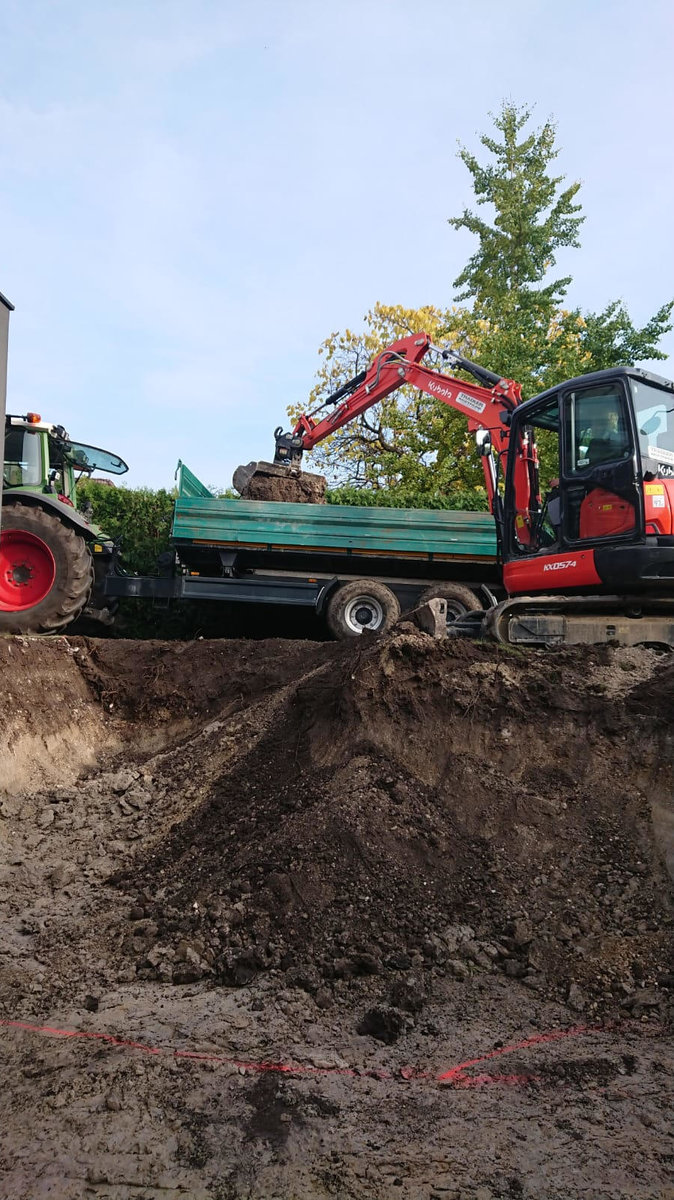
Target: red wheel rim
point(27, 570)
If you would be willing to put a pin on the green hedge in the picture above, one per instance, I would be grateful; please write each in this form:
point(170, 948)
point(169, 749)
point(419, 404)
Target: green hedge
point(464, 501)
point(139, 517)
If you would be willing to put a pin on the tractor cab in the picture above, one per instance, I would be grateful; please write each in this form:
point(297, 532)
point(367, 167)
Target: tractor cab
point(52, 557)
point(590, 472)
point(41, 457)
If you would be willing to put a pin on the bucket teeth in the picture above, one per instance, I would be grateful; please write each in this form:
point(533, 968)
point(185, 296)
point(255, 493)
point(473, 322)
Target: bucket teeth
point(261, 470)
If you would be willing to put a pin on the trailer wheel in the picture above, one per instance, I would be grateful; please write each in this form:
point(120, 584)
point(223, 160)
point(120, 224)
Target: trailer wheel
point(362, 606)
point(460, 599)
point(46, 571)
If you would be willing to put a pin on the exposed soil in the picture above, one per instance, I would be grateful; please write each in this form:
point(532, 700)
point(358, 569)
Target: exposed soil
point(375, 862)
point(303, 488)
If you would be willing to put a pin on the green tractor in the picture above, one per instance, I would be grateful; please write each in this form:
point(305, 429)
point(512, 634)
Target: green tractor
point(51, 556)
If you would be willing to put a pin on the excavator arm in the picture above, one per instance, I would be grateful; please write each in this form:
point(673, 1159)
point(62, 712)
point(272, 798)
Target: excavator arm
point(486, 404)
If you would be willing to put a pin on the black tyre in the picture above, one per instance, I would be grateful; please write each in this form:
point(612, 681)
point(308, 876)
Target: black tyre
point(46, 571)
point(362, 606)
point(460, 599)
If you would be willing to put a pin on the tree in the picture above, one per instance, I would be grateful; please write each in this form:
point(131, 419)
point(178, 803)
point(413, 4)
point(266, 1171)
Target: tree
point(532, 220)
point(515, 323)
point(609, 338)
point(529, 334)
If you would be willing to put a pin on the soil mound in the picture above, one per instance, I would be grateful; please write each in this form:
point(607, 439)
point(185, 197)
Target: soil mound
point(63, 701)
point(447, 807)
point(275, 483)
point(154, 680)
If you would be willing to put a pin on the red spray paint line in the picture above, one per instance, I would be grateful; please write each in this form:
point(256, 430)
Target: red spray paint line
point(455, 1076)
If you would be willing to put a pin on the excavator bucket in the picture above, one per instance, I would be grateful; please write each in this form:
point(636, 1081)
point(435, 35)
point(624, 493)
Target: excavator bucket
point(246, 472)
point(275, 481)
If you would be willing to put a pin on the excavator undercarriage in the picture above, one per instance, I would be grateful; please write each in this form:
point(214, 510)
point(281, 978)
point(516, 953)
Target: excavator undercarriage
point(581, 620)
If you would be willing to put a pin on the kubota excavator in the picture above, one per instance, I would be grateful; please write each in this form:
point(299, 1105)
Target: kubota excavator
point(593, 558)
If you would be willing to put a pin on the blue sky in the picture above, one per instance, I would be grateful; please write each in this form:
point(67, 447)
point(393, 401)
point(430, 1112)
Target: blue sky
point(194, 195)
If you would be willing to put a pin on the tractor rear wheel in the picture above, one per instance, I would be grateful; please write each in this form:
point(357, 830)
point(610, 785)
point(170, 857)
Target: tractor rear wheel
point(46, 571)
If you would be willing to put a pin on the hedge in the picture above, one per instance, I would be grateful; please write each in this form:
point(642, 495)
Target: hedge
point(139, 518)
point(465, 501)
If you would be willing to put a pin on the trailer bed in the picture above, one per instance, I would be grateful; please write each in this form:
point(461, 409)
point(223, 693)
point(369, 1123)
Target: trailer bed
point(333, 530)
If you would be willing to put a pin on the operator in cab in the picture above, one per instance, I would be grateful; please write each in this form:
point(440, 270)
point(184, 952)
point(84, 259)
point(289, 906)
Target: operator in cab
point(605, 441)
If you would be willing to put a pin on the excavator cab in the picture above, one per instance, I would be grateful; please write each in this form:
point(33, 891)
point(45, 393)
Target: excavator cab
point(590, 481)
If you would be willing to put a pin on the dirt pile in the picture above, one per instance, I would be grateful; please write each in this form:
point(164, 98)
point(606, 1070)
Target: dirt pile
point(51, 726)
point(265, 481)
point(448, 809)
point(152, 681)
point(66, 701)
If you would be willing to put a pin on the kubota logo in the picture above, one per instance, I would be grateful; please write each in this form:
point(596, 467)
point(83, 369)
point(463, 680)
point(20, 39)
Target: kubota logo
point(439, 390)
point(462, 398)
point(560, 566)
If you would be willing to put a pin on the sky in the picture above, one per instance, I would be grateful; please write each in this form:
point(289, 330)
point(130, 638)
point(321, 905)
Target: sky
point(195, 195)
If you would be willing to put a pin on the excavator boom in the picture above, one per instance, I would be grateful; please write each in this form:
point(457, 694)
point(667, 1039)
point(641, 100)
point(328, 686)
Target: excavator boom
point(486, 404)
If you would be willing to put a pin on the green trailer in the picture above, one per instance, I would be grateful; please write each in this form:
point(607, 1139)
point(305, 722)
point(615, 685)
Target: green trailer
point(369, 563)
point(253, 529)
point(359, 568)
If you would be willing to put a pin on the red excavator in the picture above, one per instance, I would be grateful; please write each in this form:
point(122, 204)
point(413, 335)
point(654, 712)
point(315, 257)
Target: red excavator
point(593, 557)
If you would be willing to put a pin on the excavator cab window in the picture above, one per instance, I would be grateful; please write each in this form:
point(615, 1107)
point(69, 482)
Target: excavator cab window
point(599, 497)
point(654, 415)
point(597, 429)
point(573, 473)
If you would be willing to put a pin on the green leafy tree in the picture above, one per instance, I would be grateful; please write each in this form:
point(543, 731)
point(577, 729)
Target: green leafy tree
point(533, 218)
point(610, 339)
point(512, 318)
point(528, 333)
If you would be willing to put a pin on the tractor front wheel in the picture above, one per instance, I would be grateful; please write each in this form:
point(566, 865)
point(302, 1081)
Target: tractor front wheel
point(46, 571)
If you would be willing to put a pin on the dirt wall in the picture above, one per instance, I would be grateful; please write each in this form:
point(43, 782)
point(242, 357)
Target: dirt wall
point(345, 878)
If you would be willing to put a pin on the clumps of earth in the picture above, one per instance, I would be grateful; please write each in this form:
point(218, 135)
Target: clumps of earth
point(269, 481)
point(409, 810)
point(395, 813)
